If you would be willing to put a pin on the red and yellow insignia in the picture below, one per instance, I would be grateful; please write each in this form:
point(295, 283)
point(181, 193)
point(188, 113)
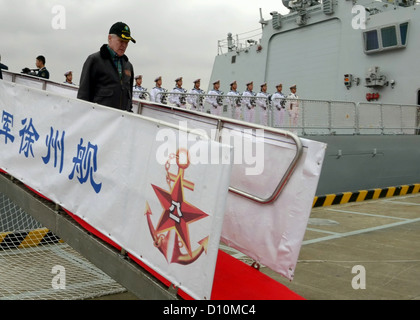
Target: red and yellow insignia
point(176, 217)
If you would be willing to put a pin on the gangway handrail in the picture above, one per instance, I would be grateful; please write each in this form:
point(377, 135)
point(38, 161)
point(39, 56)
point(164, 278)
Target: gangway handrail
point(221, 122)
point(43, 81)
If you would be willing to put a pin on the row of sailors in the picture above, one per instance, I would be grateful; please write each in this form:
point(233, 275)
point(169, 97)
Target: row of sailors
point(248, 100)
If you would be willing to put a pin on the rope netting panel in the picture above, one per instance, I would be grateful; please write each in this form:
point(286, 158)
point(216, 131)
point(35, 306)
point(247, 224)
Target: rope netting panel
point(36, 265)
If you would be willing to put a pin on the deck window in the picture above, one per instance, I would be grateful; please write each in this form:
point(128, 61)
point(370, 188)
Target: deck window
point(389, 37)
point(403, 32)
point(371, 40)
point(383, 38)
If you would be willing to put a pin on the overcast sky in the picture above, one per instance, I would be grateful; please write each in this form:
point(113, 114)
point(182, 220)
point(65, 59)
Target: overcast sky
point(174, 37)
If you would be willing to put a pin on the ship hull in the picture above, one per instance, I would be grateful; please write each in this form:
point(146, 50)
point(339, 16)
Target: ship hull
point(363, 162)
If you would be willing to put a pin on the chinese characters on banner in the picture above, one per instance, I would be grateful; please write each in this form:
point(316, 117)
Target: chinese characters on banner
point(85, 162)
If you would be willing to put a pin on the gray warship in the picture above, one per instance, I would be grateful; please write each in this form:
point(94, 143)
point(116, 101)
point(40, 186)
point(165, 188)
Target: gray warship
point(354, 64)
point(358, 83)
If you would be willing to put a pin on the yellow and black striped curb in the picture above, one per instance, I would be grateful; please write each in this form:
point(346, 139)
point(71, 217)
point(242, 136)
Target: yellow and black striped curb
point(25, 239)
point(362, 195)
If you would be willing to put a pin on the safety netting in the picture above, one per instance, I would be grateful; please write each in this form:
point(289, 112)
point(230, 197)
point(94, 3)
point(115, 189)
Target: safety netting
point(35, 264)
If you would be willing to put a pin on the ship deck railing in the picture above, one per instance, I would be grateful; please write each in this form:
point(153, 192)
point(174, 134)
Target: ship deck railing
point(321, 117)
point(316, 117)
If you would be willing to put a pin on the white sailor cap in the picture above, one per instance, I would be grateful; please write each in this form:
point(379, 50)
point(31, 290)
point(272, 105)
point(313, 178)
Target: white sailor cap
point(279, 85)
point(158, 78)
point(293, 87)
point(233, 82)
point(251, 82)
point(178, 79)
point(139, 76)
point(67, 73)
point(217, 81)
point(197, 80)
point(264, 84)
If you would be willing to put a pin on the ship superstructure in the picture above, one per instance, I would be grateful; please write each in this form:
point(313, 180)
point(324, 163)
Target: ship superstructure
point(360, 50)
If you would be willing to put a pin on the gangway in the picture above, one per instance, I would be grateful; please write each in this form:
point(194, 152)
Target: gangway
point(286, 199)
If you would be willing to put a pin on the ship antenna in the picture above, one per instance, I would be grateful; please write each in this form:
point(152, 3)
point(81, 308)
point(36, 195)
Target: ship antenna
point(262, 21)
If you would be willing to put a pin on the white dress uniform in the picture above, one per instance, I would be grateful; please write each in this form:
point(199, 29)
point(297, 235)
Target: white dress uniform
point(279, 108)
point(248, 103)
point(178, 96)
point(216, 103)
point(235, 108)
point(157, 95)
point(263, 104)
point(293, 108)
point(195, 98)
point(139, 92)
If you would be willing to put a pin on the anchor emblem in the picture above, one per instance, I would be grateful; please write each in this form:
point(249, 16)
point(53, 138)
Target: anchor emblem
point(177, 215)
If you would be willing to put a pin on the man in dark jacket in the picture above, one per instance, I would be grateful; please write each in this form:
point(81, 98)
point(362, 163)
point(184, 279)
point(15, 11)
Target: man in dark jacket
point(107, 76)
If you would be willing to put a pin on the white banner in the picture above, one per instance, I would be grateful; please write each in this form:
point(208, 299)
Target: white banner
point(270, 233)
point(127, 176)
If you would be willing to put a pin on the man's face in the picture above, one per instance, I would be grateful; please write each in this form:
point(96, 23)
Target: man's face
point(217, 86)
point(279, 88)
point(197, 84)
point(139, 81)
point(117, 44)
point(38, 63)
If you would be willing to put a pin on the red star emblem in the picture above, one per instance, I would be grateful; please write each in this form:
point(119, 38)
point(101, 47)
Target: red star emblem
point(177, 214)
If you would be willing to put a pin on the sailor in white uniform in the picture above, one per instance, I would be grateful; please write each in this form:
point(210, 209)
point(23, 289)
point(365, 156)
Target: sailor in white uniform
point(178, 96)
point(235, 108)
point(263, 104)
point(139, 92)
point(293, 107)
point(215, 99)
point(248, 102)
point(279, 109)
point(69, 77)
point(157, 93)
point(195, 98)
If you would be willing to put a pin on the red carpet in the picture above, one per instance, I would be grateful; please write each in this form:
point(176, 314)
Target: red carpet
point(235, 280)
